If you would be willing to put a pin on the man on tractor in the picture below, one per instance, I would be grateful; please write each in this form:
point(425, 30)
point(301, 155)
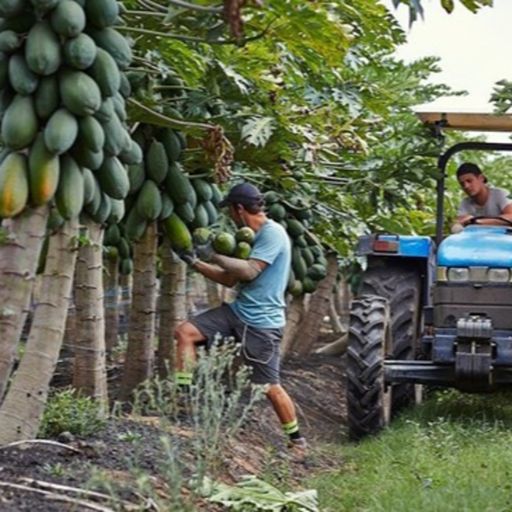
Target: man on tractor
point(257, 317)
point(483, 204)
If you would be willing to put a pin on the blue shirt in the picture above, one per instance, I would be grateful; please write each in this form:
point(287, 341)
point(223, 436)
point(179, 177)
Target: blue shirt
point(260, 302)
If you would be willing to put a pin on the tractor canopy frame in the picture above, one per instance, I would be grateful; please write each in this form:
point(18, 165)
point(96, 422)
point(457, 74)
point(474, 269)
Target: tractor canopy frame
point(439, 121)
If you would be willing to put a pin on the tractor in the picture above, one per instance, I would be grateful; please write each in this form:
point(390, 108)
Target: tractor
point(434, 312)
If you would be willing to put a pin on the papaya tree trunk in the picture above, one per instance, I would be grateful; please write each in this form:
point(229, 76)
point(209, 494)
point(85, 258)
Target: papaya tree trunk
point(89, 373)
point(23, 407)
point(20, 245)
point(111, 301)
point(141, 332)
point(126, 284)
point(171, 306)
point(296, 310)
point(309, 327)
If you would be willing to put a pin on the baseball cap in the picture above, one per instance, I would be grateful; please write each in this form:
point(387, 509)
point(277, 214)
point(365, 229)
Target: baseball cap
point(243, 193)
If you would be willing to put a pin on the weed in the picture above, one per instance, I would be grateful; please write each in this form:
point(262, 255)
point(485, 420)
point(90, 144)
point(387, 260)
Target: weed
point(55, 470)
point(130, 437)
point(67, 411)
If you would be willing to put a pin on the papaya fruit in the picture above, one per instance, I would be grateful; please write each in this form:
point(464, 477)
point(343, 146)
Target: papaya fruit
point(116, 136)
point(119, 106)
point(113, 178)
point(177, 184)
point(178, 233)
point(201, 236)
point(245, 234)
point(171, 144)
point(79, 92)
point(19, 123)
point(22, 79)
point(277, 211)
point(46, 98)
point(89, 185)
point(296, 289)
point(167, 206)
point(126, 267)
point(80, 51)
point(212, 212)
point(216, 194)
point(91, 207)
point(271, 197)
point(295, 228)
point(134, 226)
point(103, 212)
point(156, 162)
point(85, 157)
point(186, 212)
point(132, 154)
point(105, 72)
point(114, 43)
point(149, 202)
point(117, 211)
point(42, 49)
point(298, 264)
point(91, 133)
point(102, 13)
point(70, 191)
point(309, 285)
point(112, 235)
point(308, 256)
point(136, 177)
point(242, 251)
point(106, 111)
point(68, 18)
point(11, 8)
point(224, 243)
point(61, 131)
point(317, 272)
point(201, 219)
point(9, 41)
point(125, 89)
point(14, 186)
point(44, 171)
point(203, 189)
point(55, 220)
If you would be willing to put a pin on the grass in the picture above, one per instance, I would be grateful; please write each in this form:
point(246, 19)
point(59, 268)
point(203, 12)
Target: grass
point(453, 453)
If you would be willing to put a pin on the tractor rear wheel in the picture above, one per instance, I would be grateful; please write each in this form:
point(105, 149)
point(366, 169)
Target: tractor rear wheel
point(402, 287)
point(368, 401)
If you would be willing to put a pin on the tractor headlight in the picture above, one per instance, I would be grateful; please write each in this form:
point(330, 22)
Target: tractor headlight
point(458, 274)
point(499, 275)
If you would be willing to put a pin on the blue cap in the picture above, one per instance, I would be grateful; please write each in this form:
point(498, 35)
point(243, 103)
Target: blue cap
point(243, 193)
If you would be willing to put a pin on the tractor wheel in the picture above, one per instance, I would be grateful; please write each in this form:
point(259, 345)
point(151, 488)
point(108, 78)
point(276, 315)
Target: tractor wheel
point(368, 402)
point(402, 287)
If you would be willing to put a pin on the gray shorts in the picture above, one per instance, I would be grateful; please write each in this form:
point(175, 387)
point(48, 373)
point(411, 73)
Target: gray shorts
point(260, 347)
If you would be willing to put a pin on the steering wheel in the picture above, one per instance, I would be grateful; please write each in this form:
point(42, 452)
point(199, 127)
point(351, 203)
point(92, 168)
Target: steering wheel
point(474, 220)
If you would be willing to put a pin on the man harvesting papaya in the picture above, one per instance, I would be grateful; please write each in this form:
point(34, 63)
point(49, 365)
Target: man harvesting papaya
point(257, 316)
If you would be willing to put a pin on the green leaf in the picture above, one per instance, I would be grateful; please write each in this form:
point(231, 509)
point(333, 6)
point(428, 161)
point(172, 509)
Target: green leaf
point(258, 130)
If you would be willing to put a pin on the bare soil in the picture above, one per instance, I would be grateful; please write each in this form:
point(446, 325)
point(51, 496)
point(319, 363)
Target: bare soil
point(315, 383)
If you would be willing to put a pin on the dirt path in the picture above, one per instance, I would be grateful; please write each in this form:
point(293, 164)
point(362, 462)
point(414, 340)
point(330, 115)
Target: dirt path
point(316, 384)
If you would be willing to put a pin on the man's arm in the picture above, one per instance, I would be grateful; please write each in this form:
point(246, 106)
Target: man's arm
point(229, 271)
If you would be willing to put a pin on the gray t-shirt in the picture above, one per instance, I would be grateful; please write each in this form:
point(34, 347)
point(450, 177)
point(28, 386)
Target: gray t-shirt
point(498, 199)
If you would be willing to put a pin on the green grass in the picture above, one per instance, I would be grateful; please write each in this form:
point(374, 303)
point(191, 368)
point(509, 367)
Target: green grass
point(453, 453)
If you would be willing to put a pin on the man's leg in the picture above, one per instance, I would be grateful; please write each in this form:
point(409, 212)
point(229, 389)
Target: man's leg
point(187, 336)
point(285, 410)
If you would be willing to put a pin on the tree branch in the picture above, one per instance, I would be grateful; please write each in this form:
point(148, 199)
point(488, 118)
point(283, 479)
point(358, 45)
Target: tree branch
point(194, 7)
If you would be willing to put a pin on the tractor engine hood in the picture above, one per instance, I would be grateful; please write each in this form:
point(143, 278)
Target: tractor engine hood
point(477, 246)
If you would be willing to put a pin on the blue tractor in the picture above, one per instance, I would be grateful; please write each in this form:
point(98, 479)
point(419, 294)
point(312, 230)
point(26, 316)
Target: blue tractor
point(436, 312)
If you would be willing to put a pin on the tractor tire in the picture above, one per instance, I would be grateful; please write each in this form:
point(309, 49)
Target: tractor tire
point(368, 401)
point(402, 288)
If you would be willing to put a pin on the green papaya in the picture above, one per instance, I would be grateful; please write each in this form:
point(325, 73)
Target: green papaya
point(119, 106)
point(277, 212)
point(91, 133)
point(201, 219)
point(117, 212)
point(22, 79)
point(203, 190)
point(317, 272)
point(186, 212)
point(61, 131)
point(271, 197)
point(19, 123)
point(105, 72)
point(212, 212)
point(89, 185)
point(171, 144)
point(149, 202)
point(134, 226)
point(11, 8)
point(79, 92)
point(106, 111)
point(296, 289)
point(295, 228)
point(156, 162)
point(178, 233)
point(242, 251)
point(9, 41)
point(126, 267)
point(177, 184)
point(308, 256)
point(116, 136)
point(113, 178)
point(68, 18)
point(80, 51)
point(216, 194)
point(131, 155)
point(102, 13)
point(298, 264)
point(103, 212)
point(125, 89)
point(70, 192)
point(167, 206)
point(136, 177)
point(224, 243)
point(114, 43)
point(46, 98)
point(112, 235)
point(42, 49)
point(309, 285)
point(85, 157)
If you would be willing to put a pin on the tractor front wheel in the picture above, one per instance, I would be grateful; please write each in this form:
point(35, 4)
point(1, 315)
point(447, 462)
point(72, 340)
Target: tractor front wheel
point(368, 400)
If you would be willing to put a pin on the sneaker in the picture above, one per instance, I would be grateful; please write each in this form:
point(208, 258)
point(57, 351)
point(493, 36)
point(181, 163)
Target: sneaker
point(298, 450)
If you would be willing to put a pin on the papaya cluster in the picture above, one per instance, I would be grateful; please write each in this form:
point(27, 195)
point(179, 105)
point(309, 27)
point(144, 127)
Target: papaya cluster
point(309, 265)
point(62, 105)
point(238, 245)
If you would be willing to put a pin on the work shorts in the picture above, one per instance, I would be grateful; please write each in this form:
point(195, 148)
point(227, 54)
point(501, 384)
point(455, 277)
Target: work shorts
point(259, 347)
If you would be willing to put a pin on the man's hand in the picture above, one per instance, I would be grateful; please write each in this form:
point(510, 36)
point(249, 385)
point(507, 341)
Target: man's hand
point(205, 251)
point(188, 256)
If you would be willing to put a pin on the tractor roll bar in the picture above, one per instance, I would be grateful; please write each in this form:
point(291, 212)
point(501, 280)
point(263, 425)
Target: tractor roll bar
point(441, 164)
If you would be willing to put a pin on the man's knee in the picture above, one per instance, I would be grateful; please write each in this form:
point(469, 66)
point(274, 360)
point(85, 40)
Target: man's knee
point(187, 332)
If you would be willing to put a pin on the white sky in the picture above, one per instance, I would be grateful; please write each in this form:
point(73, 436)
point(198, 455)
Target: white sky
point(474, 50)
